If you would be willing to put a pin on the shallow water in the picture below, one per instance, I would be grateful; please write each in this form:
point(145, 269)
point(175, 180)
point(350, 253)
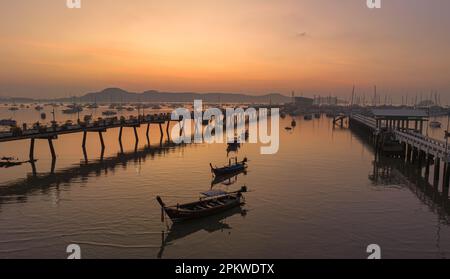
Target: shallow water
point(316, 198)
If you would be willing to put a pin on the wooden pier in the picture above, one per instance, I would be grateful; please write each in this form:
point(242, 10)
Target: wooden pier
point(101, 126)
point(406, 126)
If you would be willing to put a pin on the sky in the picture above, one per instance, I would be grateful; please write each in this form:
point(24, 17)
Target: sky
point(312, 47)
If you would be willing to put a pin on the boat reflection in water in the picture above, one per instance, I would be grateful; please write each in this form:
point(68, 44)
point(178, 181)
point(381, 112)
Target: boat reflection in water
point(228, 179)
point(20, 189)
point(211, 224)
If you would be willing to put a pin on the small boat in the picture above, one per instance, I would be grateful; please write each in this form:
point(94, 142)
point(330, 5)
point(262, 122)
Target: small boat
point(39, 108)
point(109, 113)
point(213, 202)
point(288, 128)
point(8, 122)
point(13, 108)
point(435, 124)
point(92, 106)
point(293, 123)
point(231, 168)
point(72, 109)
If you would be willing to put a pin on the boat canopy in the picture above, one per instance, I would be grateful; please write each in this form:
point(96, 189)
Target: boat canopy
point(214, 193)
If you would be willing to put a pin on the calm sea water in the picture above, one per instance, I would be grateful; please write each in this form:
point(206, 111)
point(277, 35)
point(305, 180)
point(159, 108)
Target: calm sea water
point(317, 197)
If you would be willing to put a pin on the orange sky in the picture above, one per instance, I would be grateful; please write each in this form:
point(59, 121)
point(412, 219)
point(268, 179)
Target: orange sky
point(251, 46)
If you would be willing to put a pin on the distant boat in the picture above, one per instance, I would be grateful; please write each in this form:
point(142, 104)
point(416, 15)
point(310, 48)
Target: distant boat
point(231, 168)
point(13, 108)
point(293, 123)
point(109, 113)
point(435, 124)
point(213, 202)
point(92, 106)
point(8, 122)
point(288, 128)
point(38, 108)
point(72, 109)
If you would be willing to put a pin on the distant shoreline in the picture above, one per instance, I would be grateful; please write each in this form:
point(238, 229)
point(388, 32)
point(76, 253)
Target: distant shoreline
point(115, 95)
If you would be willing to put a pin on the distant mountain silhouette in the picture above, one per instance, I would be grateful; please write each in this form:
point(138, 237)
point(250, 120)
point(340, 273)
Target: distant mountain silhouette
point(117, 95)
point(120, 95)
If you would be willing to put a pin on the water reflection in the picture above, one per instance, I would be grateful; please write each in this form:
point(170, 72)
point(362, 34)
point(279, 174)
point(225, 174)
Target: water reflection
point(214, 223)
point(395, 171)
point(18, 190)
point(228, 179)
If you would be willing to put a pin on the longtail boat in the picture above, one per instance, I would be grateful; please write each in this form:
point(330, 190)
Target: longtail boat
point(231, 168)
point(214, 201)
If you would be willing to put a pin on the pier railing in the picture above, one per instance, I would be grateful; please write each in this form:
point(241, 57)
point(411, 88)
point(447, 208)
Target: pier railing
point(99, 125)
point(427, 144)
point(433, 146)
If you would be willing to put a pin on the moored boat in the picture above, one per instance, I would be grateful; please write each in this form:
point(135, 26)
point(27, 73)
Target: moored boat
point(213, 202)
point(231, 168)
point(435, 124)
point(8, 122)
point(109, 113)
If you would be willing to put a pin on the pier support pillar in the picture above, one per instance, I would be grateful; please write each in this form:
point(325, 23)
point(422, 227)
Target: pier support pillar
point(408, 153)
point(52, 149)
point(427, 167)
point(161, 130)
point(167, 128)
point(136, 134)
point(120, 134)
point(32, 149)
point(148, 133)
point(414, 155)
point(446, 182)
point(84, 139)
point(100, 134)
point(437, 167)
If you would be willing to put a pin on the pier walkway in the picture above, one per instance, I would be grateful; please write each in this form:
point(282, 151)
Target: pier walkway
point(417, 148)
point(100, 126)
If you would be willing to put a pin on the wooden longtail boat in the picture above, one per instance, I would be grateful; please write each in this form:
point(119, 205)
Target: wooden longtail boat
point(231, 168)
point(204, 207)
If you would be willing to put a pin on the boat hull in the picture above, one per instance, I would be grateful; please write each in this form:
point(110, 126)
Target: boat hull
point(180, 214)
point(229, 170)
